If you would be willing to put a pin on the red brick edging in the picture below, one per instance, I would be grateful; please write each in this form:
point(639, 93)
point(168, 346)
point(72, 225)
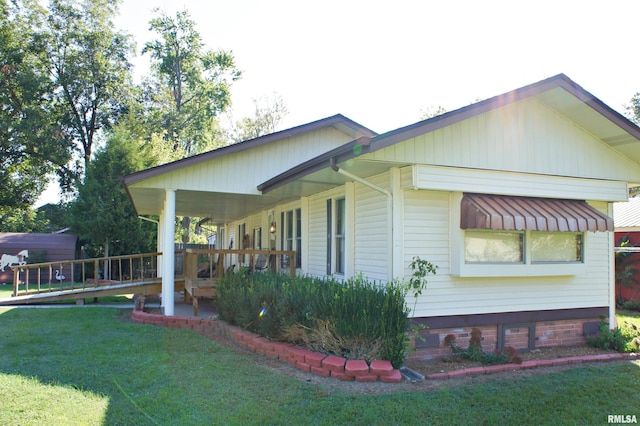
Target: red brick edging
point(473, 371)
point(303, 359)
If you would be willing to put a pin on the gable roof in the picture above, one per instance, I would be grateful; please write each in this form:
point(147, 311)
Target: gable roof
point(337, 121)
point(558, 92)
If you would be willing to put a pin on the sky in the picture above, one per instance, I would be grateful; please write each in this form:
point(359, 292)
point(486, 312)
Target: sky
point(382, 63)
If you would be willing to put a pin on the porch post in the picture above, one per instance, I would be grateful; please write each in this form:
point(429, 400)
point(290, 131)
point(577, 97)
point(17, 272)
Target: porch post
point(168, 250)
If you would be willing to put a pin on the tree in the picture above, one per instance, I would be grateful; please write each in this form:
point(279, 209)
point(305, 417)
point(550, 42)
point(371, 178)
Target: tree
point(268, 113)
point(191, 86)
point(633, 110)
point(32, 144)
point(88, 64)
point(633, 114)
point(431, 112)
point(102, 215)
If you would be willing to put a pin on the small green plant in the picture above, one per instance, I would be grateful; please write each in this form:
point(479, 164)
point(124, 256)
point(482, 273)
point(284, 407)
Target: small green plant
point(420, 269)
point(418, 282)
point(624, 338)
point(475, 353)
point(631, 305)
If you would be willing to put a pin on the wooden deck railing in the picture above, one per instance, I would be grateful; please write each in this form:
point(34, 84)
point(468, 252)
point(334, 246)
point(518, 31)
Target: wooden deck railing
point(191, 264)
point(214, 263)
point(84, 273)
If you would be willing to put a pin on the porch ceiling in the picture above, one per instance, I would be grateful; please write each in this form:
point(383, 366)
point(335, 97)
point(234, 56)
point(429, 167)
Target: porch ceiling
point(220, 207)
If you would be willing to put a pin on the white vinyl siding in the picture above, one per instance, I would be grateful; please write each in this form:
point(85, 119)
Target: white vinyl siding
point(516, 184)
point(525, 136)
point(426, 233)
point(372, 254)
point(242, 171)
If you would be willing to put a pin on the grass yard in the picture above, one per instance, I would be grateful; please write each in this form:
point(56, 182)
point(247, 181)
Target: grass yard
point(94, 367)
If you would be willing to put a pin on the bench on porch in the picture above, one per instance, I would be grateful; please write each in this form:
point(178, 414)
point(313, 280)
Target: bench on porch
point(195, 290)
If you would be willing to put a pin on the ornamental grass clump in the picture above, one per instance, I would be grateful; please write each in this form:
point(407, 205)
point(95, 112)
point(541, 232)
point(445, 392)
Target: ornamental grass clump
point(355, 319)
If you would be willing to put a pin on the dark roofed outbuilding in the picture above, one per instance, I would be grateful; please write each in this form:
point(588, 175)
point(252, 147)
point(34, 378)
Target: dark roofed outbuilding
point(40, 247)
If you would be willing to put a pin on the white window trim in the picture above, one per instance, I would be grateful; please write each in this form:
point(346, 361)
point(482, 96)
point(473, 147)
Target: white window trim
point(527, 269)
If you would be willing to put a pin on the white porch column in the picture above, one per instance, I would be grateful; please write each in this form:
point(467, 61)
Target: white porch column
point(168, 250)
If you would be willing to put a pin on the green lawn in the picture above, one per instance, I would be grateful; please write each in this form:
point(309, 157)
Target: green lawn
point(93, 366)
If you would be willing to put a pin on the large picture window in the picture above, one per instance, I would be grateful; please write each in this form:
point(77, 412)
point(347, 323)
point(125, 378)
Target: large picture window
point(493, 247)
point(485, 246)
point(548, 247)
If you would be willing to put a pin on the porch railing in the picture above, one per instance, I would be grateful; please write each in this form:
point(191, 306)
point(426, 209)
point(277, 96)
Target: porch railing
point(84, 273)
point(191, 264)
point(205, 263)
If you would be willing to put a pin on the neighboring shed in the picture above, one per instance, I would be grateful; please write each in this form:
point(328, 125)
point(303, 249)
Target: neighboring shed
point(626, 217)
point(39, 248)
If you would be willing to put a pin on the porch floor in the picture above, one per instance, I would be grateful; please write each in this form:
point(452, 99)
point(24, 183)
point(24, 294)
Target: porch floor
point(206, 307)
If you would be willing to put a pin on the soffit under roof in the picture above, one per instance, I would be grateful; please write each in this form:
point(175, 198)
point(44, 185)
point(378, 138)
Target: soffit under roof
point(220, 207)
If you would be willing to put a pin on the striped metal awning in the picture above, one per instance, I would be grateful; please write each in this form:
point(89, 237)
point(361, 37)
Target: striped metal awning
point(479, 211)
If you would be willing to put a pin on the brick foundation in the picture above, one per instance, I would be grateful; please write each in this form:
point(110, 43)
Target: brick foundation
point(303, 359)
point(547, 333)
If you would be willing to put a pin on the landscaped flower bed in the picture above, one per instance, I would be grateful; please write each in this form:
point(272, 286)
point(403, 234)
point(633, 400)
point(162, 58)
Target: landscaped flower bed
point(355, 319)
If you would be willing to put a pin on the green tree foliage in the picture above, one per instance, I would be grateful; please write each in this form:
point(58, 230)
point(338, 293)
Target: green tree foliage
point(102, 214)
point(633, 114)
point(268, 113)
point(432, 111)
point(190, 86)
point(633, 110)
point(32, 144)
point(88, 64)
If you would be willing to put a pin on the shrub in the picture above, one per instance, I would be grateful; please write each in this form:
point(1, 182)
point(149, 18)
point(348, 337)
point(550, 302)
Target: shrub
point(631, 305)
point(352, 319)
point(475, 353)
point(625, 338)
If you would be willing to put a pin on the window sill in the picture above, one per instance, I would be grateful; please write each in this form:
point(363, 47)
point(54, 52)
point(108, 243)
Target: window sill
point(520, 270)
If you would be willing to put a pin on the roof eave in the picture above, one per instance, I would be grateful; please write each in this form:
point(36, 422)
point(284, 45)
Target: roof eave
point(337, 120)
point(344, 152)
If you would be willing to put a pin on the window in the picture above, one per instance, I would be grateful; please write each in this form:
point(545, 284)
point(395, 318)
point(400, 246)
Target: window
point(549, 247)
point(242, 241)
point(291, 233)
point(506, 236)
point(493, 247)
point(298, 244)
point(502, 247)
point(339, 236)
point(257, 239)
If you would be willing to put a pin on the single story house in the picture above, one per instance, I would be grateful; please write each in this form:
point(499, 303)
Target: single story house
point(510, 197)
